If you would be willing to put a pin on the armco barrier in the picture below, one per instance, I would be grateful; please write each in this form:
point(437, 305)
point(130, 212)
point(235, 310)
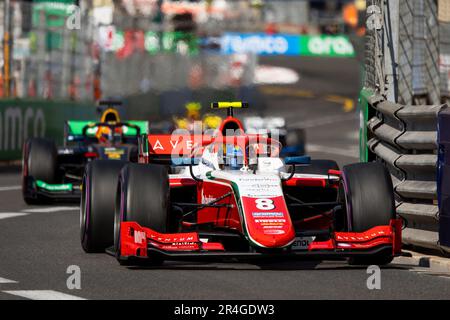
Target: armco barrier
point(443, 180)
point(21, 119)
point(405, 139)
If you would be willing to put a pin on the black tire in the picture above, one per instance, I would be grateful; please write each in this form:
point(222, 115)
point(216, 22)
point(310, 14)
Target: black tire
point(40, 160)
point(97, 204)
point(142, 196)
point(369, 198)
point(318, 166)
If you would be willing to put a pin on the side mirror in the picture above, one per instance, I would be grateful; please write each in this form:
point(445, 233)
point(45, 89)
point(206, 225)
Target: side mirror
point(293, 161)
point(297, 160)
point(185, 161)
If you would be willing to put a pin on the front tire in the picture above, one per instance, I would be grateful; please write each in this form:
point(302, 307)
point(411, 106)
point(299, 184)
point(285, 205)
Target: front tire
point(97, 204)
point(370, 202)
point(40, 163)
point(143, 197)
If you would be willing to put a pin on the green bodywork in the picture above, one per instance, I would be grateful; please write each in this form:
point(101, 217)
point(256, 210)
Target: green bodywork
point(54, 187)
point(75, 127)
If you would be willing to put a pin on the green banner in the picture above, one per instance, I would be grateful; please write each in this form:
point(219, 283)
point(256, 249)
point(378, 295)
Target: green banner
point(22, 119)
point(181, 42)
point(323, 45)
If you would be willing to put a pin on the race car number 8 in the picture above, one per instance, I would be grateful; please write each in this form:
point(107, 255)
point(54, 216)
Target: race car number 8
point(264, 204)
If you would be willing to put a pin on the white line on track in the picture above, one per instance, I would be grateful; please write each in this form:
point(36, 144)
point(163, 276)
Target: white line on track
point(43, 295)
point(4, 281)
point(50, 209)
point(7, 215)
point(10, 188)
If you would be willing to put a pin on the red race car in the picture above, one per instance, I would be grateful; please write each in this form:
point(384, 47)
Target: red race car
point(230, 195)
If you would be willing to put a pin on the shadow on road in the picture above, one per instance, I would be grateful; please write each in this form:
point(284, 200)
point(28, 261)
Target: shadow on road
point(297, 265)
point(14, 168)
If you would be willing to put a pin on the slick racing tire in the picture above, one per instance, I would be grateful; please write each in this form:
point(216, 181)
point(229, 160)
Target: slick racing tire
point(318, 166)
point(97, 204)
point(143, 197)
point(40, 163)
point(369, 198)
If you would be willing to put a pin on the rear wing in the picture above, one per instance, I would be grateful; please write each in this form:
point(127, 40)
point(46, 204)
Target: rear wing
point(170, 148)
point(229, 105)
point(73, 129)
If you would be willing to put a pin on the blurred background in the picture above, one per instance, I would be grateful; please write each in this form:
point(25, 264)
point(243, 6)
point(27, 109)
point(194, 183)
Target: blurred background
point(298, 60)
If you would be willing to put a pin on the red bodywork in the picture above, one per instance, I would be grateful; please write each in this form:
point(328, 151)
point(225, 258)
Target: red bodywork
point(262, 229)
point(137, 240)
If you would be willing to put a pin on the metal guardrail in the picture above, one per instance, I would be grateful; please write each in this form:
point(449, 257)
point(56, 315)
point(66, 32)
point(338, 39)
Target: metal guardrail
point(405, 138)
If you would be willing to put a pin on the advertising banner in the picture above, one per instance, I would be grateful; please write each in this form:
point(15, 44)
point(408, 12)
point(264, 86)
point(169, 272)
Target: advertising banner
point(326, 46)
point(22, 119)
point(260, 44)
point(287, 44)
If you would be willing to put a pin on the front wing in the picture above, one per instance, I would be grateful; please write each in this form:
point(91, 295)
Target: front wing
point(52, 192)
point(140, 242)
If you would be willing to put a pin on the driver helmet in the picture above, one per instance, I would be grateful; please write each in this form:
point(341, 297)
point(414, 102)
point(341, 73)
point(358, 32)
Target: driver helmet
point(104, 133)
point(234, 157)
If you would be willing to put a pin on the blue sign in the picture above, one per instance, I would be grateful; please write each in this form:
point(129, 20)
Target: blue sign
point(260, 43)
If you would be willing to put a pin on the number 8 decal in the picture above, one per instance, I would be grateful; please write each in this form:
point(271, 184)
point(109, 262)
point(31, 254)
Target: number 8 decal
point(264, 204)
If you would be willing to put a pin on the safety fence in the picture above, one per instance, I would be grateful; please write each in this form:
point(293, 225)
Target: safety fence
point(404, 138)
point(140, 72)
point(51, 52)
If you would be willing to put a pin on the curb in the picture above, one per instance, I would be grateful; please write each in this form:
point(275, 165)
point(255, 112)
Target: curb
point(435, 263)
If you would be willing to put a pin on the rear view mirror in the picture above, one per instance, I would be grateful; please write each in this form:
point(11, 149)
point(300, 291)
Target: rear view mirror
point(185, 161)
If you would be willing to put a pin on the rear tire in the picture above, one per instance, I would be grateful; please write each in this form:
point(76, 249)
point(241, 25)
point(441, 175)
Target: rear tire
point(40, 158)
point(369, 198)
point(143, 197)
point(97, 204)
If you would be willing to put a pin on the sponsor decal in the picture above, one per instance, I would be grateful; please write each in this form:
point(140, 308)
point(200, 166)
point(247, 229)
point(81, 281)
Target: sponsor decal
point(207, 198)
point(271, 221)
point(158, 146)
point(330, 46)
point(175, 144)
point(113, 153)
point(283, 44)
point(139, 237)
point(302, 243)
point(272, 228)
point(259, 43)
point(267, 214)
point(54, 187)
point(261, 188)
point(17, 124)
point(274, 231)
